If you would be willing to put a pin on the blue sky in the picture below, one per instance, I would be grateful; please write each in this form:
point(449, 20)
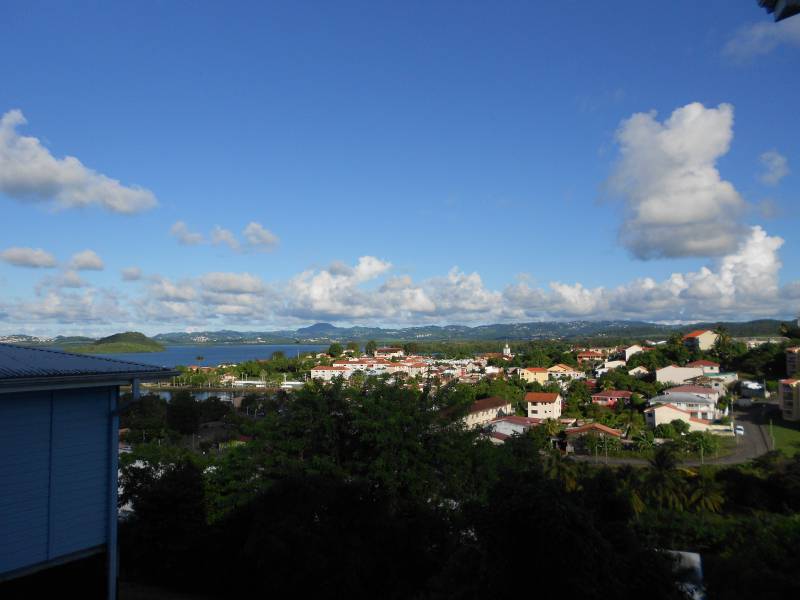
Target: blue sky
point(401, 163)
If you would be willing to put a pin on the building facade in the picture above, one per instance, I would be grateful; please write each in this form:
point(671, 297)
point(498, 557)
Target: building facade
point(543, 405)
point(789, 399)
point(59, 437)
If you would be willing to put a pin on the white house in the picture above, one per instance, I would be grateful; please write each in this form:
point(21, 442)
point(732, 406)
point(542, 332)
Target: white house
point(543, 405)
point(504, 427)
point(639, 371)
point(632, 350)
point(328, 373)
point(677, 375)
point(699, 406)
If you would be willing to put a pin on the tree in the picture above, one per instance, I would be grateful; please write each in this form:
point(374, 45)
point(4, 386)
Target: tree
point(183, 413)
point(410, 348)
point(706, 493)
point(335, 350)
point(354, 347)
point(663, 485)
point(370, 348)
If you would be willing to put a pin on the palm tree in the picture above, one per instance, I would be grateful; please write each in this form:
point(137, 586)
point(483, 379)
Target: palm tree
point(664, 485)
point(561, 469)
point(707, 494)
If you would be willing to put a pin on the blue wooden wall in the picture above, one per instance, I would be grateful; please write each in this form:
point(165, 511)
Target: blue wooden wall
point(54, 474)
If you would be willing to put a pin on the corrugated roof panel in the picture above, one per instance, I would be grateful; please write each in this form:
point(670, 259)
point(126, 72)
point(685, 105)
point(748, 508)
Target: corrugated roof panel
point(19, 362)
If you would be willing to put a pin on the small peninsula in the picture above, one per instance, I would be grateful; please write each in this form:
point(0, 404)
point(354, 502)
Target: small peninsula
point(128, 342)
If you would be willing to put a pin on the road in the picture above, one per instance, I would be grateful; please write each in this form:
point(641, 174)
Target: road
point(753, 443)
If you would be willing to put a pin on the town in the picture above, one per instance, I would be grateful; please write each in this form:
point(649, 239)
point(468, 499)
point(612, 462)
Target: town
point(625, 399)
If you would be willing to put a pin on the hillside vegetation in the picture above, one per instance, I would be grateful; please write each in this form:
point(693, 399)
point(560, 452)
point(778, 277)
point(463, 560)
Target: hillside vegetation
point(130, 341)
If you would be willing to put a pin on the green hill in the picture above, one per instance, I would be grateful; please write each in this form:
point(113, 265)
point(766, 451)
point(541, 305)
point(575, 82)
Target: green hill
point(130, 341)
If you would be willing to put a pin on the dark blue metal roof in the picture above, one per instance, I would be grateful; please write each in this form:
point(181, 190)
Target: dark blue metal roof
point(17, 362)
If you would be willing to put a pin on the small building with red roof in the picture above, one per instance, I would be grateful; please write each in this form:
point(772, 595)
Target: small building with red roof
point(611, 397)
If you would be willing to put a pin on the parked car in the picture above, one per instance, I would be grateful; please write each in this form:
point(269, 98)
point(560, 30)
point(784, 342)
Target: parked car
point(739, 430)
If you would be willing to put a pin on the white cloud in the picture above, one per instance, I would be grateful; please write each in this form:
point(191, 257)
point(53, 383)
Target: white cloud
point(742, 284)
point(131, 274)
point(259, 238)
point(762, 38)
point(88, 260)
point(164, 289)
point(776, 167)
point(220, 236)
point(28, 257)
point(234, 283)
point(181, 231)
point(676, 204)
point(29, 173)
point(70, 279)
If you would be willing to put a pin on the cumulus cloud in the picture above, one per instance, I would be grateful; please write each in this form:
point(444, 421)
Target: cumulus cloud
point(222, 236)
point(336, 292)
point(28, 257)
point(259, 238)
point(762, 38)
point(29, 173)
point(743, 283)
point(676, 203)
point(180, 230)
point(88, 260)
point(131, 274)
point(89, 307)
point(776, 167)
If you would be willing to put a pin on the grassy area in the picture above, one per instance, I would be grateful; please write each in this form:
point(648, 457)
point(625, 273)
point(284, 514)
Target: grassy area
point(787, 436)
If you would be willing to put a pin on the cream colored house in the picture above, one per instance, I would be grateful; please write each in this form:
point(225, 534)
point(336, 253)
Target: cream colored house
point(543, 405)
point(484, 411)
point(789, 398)
point(534, 374)
point(562, 371)
point(665, 413)
point(677, 375)
point(702, 339)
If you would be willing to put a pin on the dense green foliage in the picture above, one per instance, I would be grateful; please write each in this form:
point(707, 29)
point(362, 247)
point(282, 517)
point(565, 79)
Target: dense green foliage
point(379, 491)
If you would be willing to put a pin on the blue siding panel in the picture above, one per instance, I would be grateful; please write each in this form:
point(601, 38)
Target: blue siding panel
point(25, 477)
point(55, 469)
point(80, 470)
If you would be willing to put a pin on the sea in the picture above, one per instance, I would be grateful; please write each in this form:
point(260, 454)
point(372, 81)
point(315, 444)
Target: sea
point(213, 354)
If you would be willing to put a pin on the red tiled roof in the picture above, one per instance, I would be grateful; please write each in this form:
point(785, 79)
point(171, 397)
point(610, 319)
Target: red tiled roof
point(702, 363)
point(696, 333)
point(541, 397)
point(536, 369)
point(594, 427)
point(320, 368)
point(487, 403)
point(590, 353)
point(613, 394)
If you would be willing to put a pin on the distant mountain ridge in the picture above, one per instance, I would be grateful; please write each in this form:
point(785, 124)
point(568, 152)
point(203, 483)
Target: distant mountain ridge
point(326, 333)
